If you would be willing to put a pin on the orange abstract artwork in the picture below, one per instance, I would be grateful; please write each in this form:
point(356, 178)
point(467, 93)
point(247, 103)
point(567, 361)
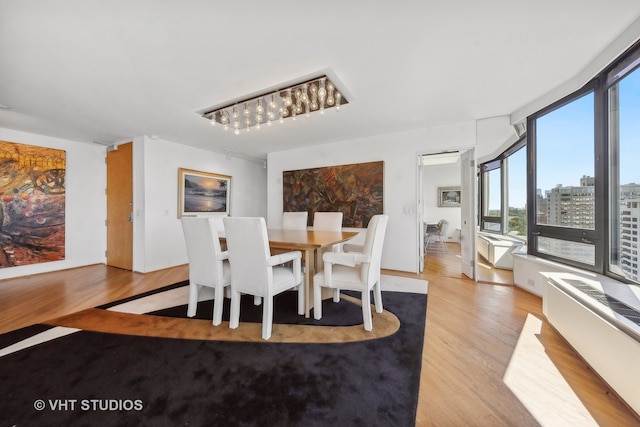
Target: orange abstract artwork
point(32, 204)
point(356, 190)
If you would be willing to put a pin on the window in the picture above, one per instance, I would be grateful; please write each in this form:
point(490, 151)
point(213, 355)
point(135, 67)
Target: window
point(583, 153)
point(516, 166)
point(564, 181)
point(491, 187)
point(503, 192)
point(623, 99)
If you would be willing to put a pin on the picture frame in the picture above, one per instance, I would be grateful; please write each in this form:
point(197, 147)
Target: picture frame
point(449, 197)
point(203, 193)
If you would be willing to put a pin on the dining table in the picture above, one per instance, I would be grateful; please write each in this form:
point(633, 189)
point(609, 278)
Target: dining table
point(310, 243)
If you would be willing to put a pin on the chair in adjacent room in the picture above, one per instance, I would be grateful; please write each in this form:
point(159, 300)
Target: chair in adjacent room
point(254, 271)
point(356, 271)
point(208, 265)
point(436, 240)
point(294, 220)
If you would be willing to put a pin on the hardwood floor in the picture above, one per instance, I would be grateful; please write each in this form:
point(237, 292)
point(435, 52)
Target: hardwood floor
point(448, 264)
point(37, 298)
point(490, 358)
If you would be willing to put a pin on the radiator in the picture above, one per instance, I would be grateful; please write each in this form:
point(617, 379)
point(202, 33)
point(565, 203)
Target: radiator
point(603, 329)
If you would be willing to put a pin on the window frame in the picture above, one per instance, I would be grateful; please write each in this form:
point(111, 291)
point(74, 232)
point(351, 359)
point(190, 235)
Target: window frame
point(500, 162)
point(605, 162)
point(485, 195)
point(624, 65)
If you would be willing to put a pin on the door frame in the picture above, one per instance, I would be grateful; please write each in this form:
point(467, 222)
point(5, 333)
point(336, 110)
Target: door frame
point(420, 208)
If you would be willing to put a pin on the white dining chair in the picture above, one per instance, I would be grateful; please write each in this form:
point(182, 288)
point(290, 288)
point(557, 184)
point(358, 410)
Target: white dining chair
point(329, 221)
point(219, 223)
point(208, 265)
point(355, 271)
point(294, 220)
point(254, 271)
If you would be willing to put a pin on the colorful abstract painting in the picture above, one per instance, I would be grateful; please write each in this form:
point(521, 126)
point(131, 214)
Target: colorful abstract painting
point(32, 204)
point(356, 190)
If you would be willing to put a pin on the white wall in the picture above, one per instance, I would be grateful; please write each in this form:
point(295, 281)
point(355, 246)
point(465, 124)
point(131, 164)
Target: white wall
point(399, 152)
point(159, 239)
point(85, 211)
point(433, 177)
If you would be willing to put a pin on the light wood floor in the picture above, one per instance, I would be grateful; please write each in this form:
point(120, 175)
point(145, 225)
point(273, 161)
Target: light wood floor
point(490, 358)
point(448, 265)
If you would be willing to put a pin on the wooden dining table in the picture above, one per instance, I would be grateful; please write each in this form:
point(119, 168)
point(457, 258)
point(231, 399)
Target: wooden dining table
point(308, 242)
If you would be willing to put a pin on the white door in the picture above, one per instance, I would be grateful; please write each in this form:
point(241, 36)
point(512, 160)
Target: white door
point(469, 215)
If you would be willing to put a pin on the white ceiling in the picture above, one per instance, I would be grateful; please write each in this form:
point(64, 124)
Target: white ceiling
point(111, 70)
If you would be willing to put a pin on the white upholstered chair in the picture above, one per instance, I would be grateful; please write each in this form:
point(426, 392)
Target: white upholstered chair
point(218, 220)
point(254, 271)
point(207, 263)
point(294, 220)
point(356, 271)
point(329, 221)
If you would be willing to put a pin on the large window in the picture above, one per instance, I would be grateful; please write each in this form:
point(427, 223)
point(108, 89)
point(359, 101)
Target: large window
point(503, 195)
point(623, 98)
point(491, 181)
point(583, 152)
point(516, 166)
point(564, 156)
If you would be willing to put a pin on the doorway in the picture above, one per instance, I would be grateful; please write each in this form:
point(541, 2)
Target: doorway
point(120, 206)
point(440, 203)
point(446, 170)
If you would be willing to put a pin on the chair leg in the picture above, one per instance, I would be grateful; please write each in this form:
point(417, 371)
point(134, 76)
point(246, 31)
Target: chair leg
point(234, 315)
point(336, 295)
point(193, 299)
point(301, 292)
point(366, 310)
point(377, 296)
point(257, 300)
point(217, 304)
point(267, 317)
point(317, 302)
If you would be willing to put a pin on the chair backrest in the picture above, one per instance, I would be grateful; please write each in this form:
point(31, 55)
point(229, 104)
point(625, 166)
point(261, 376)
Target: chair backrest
point(203, 244)
point(295, 220)
point(328, 221)
point(444, 226)
point(248, 246)
point(219, 223)
point(373, 243)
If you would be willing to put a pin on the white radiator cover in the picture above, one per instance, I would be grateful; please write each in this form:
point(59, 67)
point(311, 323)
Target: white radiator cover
point(603, 340)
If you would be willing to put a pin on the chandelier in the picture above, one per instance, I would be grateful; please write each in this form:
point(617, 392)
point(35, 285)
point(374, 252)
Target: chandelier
point(300, 99)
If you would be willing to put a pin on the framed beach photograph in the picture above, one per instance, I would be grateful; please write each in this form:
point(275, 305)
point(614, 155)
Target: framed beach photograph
point(202, 193)
point(449, 197)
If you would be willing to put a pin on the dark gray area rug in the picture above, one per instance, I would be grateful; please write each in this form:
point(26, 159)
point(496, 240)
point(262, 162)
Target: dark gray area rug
point(97, 379)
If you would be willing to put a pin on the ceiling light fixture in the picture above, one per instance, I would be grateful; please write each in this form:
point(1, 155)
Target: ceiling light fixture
point(440, 158)
point(290, 101)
